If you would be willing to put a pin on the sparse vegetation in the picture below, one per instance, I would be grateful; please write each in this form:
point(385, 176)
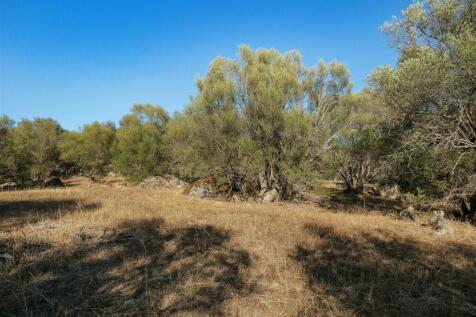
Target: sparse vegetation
point(95, 249)
point(373, 192)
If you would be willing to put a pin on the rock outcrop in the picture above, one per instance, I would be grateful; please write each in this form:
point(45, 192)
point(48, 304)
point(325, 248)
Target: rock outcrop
point(408, 213)
point(270, 196)
point(440, 224)
point(201, 191)
point(165, 181)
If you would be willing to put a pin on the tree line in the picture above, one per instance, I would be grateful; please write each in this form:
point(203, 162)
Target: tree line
point(264, 121)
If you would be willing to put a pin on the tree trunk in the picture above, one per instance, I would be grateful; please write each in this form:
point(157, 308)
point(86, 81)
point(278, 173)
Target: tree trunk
point(262, 182)
point(353, 184)
point(274, 179)
point(468, 207)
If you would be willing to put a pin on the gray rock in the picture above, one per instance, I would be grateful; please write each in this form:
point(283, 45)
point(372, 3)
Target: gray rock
point(443, 229)
point(408, 213)
point(236, 197)
point(270, 196)
point(440, 224)
point(201, 191)
point(438, 216)
point(166, 181)
point(154, 182)
point(175, 182)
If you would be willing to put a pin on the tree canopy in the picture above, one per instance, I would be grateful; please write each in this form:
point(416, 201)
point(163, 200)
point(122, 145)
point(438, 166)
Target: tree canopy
point(264, 121)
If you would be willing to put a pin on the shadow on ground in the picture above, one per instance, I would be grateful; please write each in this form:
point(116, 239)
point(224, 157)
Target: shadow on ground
point(22, 211)
point(383, 275)
point(344, 202)
point(137, 269)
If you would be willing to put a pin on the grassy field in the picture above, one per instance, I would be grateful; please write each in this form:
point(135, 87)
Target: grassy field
point(103, 250)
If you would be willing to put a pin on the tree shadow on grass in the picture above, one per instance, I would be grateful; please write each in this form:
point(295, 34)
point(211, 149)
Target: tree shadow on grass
point(383, 275)
point(341, 201)
point(139, 269)
point(18, 212)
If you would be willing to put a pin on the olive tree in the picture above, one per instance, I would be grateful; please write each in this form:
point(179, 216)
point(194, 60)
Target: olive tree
point(432, 90)
point(35, 148)
point(357, 151)
point(247, 128)
point(207, 137)
point(91, 149)
point(141, 150)
point(7, 159)
point(270, 85)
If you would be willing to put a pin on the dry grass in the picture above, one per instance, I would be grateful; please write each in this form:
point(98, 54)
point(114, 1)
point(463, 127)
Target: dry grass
point(103, 250)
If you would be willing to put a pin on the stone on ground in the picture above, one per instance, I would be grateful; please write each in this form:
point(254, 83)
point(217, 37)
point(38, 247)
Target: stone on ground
point(270, 196)
point(408, 213)
point(440, 224)
point(166, 181)
point(201, 191)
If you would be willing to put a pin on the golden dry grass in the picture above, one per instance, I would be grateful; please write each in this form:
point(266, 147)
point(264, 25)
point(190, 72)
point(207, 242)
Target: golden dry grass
point(103, 250)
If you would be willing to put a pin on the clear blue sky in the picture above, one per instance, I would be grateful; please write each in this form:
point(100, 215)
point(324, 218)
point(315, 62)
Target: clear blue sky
point(83, 60)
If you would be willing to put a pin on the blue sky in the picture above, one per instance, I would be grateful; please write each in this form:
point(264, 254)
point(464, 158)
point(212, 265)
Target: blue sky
point(83, 60)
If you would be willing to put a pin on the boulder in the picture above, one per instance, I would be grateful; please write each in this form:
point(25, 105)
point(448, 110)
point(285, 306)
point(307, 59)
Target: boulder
point(443, 229)
point(438, 216)
point(166, 181)
point(53, 182)
point(154, 182)
point(175, 181)
point(201, 188)
point(408, 213)
point(440, 224)
point(270, 196)
point(237, 198)
point(201, 191)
